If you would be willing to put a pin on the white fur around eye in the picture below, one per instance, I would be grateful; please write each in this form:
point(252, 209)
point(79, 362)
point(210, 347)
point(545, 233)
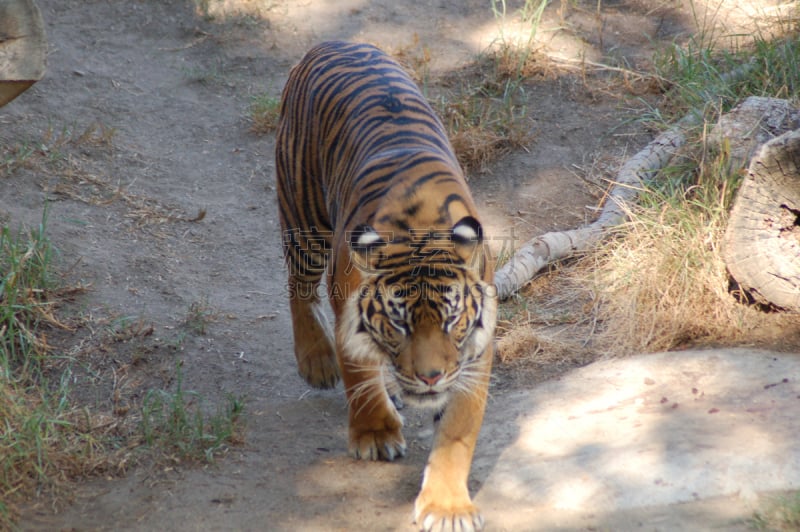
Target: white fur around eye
point(465, 232)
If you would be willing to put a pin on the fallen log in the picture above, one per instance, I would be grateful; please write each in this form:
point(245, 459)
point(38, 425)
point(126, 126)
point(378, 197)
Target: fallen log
point(641, 168)
point(557, 245)
point(636, 172)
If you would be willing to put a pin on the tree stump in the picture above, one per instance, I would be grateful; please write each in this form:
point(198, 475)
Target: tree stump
point(761, 246)
point(23, 47)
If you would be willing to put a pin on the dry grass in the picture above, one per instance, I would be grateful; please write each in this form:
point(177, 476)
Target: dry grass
point(415, 57)
point(43, 440)
point(484, 112)
point(60, 157)
point(45, 448)
point(658, 283)
point(482, 104)
point(661, 283)
point(264, 114)
point(545, 331)
point(540, 354)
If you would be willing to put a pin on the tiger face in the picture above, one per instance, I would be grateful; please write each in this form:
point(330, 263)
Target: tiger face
point(428, 322)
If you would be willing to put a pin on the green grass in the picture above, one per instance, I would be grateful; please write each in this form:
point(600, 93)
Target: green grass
point(701, 76)
point(41, 443)
point(781, 514)
point(264, 113)
point(177, 424)
point(25, 259)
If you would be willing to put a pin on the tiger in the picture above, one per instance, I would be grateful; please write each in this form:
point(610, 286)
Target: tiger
point(372, 199)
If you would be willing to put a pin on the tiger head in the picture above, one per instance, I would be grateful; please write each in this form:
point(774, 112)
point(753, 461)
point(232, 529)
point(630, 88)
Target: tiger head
point(423, 308)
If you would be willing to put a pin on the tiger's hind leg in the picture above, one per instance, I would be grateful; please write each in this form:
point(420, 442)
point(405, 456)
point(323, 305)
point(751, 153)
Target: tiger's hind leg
point(306, 253)
point(313, 337)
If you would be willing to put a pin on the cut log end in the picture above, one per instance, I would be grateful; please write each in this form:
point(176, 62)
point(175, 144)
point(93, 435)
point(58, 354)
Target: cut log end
point(761, 247)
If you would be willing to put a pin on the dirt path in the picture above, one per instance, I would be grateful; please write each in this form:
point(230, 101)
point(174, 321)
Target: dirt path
point(169, 91)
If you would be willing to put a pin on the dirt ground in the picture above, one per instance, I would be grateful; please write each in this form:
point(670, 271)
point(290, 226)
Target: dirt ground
point(141, 125)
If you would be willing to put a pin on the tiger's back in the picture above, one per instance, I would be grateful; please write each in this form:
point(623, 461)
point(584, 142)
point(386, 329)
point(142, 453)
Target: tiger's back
point(348, 108)
point(371, 196)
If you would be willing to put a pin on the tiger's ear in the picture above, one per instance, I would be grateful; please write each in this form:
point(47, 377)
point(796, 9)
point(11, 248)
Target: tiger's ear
point(467, 232)
point(467, 235)
point(365, 245)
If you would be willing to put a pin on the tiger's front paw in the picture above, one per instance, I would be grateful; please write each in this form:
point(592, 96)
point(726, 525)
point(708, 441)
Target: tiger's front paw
point(431, 516)
point(384, 444)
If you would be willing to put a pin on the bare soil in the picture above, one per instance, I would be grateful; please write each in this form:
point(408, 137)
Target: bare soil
point(161, 201)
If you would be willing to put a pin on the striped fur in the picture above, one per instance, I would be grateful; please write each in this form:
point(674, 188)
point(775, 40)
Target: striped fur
point(371, 197)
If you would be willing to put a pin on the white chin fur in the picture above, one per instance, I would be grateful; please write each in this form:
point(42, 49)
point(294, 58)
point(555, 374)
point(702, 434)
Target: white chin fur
point(428, 402)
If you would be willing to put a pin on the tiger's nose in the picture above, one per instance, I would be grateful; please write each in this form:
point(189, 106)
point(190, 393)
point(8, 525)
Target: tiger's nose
point(430, 378)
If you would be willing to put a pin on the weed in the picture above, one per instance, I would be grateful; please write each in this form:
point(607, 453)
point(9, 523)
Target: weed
point(23, 302)
point(264, 113)
point(702, 73)
point(198, 317)
point(211, 75)
point(783, 513)
point(175, 422)
point(43, 440)
point(14, 158)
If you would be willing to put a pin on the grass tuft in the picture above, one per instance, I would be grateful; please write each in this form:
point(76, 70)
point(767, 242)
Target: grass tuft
point(43, 439)
point(782, 514)
point(264, 113)
point(482, 105)
point(199, 316)
point(176, 423)
point(25, 259)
